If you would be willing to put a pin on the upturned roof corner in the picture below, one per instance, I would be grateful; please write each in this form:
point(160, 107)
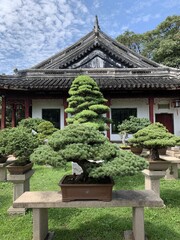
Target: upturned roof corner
point(96, 26)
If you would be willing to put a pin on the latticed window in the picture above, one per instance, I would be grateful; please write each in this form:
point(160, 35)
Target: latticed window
point(120, 114)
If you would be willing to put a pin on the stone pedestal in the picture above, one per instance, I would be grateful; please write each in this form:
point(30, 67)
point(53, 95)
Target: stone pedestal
point(3, 171)
point(172, 171)
point(20, 185)
point(152, 180)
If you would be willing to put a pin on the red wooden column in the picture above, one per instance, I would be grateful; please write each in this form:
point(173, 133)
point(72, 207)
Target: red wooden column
point(13, 121)
point(108, 116)
point(151, 109)
point(27, 104)
point(3, 113)
point(65, 104)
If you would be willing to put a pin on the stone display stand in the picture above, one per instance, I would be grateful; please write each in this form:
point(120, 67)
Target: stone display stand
point(40, 202)
point(3, 171)
point(20, 185)
point(172, 171)
point(152, 180)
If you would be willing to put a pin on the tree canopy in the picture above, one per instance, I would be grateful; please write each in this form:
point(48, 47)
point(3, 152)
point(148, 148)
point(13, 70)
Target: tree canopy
point(86, 103)
point(161, 45)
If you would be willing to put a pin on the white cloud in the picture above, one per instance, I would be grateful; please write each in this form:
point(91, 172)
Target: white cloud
point(31, 31)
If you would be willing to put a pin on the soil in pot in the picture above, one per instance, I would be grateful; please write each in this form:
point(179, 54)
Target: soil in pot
point(93, 189)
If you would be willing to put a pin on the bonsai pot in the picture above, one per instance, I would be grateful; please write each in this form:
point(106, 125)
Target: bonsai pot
point(136, 150)
point(15, 169)
point(85, 191)
point(158, 165)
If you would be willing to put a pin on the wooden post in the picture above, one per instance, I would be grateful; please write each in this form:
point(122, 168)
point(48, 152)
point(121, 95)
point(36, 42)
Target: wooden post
point(108, 116)
point(3, 113)
point(65, 114)
point(26, 107)
point(151, 109)
point(13, 121)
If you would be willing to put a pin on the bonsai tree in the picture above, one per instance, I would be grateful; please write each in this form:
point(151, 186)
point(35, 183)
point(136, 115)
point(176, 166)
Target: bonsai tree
point(45, 129)
point(86, 104)
point(31, 123)
point(21, 143)
point(153, 137)
point(132, 125)
point(91, 150)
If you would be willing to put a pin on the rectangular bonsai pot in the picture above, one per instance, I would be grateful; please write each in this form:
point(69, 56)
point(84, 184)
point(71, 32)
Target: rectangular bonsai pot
point(18, 169)
point(85, 191)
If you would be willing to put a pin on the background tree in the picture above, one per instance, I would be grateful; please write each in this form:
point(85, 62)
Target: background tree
point(161, 44)
point(86, 103)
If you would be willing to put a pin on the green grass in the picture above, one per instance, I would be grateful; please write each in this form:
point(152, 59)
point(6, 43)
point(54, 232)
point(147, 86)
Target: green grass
point(92, 224)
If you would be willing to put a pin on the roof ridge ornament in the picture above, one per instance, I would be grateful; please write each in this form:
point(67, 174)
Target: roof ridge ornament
point(96, 26)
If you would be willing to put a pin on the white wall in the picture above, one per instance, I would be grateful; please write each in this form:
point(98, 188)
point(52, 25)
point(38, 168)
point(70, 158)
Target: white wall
point(39, 104)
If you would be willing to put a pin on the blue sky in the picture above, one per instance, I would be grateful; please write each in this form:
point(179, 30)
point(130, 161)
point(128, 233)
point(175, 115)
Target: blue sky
point(33, 30)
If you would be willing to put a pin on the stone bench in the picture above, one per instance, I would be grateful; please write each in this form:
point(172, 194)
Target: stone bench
point(172, 171)
point(41, 201)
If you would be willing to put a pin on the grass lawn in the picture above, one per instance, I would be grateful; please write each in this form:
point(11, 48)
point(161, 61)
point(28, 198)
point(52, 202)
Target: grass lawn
point(92, 224)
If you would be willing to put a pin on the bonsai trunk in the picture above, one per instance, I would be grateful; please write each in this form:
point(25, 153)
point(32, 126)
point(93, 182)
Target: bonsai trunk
point(154, 154)
point(84, 175)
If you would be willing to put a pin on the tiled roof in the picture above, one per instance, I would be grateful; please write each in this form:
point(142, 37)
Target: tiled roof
point(106, 79)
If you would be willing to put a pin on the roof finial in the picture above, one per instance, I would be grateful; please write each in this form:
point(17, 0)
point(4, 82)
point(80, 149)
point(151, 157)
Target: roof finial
point(96, 25)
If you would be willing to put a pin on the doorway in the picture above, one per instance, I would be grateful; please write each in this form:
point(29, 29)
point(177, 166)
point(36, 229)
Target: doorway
point(167, 120)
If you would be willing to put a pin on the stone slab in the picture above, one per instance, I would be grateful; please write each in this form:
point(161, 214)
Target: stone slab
point(170, 158)
point(155, 174)
point(122, 198)
point(14, 211)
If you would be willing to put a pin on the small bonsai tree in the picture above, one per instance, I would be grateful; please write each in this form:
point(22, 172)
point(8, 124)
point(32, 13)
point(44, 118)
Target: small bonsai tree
point(21, 143)
point(86, 104)
point(45, 129)
point(91, 150)
point(153, 137)
point(131, 125)
point(31, 123)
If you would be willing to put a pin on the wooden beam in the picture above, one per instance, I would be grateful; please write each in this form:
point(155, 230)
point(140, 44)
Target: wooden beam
point(3, 113)
point(151, 109)
point(65, 104)
point(27, 104)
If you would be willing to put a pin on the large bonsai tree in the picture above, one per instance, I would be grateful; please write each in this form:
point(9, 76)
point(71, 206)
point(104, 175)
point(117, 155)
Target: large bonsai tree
point(132, 125)
point(153, 137)
point(91, 150)
point(86, 103)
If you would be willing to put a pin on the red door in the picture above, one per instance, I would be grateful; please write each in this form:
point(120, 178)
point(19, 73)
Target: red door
point(167, 120)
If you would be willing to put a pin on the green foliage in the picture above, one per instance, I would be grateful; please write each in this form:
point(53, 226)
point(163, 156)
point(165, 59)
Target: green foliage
point(133, 124)
point(3, 141)
point(45, 129)
point(161, 44)
point(91, 150)
point(86, 103)
point(44, 155)
point(154, 137)
point(21, 143)
point(31, 123)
